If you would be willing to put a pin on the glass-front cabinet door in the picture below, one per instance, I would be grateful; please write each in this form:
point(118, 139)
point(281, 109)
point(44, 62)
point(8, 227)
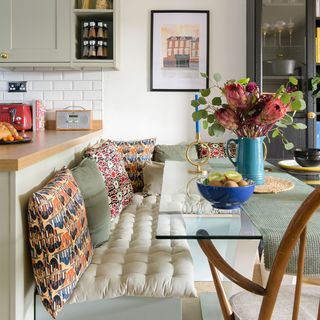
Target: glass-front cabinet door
point(279, 47)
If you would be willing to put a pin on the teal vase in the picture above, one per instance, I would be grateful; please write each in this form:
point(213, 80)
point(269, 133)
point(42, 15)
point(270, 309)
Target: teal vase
point(250, 157)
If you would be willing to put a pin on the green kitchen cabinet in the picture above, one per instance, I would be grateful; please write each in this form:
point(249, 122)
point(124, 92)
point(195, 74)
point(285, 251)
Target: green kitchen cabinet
point(34, 31)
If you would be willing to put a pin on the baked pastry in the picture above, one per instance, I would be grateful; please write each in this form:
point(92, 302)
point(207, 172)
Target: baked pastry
point(7, 130)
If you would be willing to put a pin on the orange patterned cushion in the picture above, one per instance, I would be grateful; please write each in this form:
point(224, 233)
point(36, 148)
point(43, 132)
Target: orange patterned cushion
point(136, 153)
point(61, 248)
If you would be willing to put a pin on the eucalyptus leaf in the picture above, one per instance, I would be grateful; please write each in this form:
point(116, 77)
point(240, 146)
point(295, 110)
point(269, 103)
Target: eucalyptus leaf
point(280, 90)
point(205, 124)
point(297, 94)
point(195, 103)
point(205, 92)
point(203, 75)
point(204, 114)
point(288, 145)
point(197, 115)
point(211, 118)
point(303, 104)
point(217, 76)
point(287, 119)
point(299, 126)
point(216, 101)
point(244, 81)
point(202, 100)
point(296, 105)
point(275, 133)
point(218, 129)
point(293, 80)
point(285, 98)
point(281, 125)
point(210, 131)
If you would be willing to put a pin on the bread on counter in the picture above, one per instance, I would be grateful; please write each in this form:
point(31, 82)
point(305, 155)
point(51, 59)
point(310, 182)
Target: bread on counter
point(7, 131)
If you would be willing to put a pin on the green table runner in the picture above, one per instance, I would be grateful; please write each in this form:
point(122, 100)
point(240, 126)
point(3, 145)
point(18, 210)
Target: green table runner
point(271, 214)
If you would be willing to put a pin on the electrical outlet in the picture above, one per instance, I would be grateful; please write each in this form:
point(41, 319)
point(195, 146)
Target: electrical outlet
point(17, 86)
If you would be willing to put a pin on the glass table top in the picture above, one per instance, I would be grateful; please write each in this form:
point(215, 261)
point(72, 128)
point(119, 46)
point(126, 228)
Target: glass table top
point(183, 211)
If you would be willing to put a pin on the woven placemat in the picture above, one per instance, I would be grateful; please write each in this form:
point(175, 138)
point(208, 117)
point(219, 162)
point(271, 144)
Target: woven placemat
point(274, 185)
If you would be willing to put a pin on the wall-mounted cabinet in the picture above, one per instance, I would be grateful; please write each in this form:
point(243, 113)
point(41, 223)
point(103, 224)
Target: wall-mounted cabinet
point(59, 33)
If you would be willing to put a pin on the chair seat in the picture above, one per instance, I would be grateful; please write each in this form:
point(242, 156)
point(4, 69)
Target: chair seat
point(246, 305)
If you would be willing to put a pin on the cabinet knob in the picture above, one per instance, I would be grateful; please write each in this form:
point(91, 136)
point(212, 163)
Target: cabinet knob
point(4, 55)
point(311, 115)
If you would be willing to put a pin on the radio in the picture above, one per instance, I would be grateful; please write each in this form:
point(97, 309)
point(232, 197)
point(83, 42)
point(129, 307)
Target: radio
point(70, 119)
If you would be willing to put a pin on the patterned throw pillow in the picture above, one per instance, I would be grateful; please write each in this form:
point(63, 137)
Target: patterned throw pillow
point(110, 164)
point(61, 248)
point(217, 150)
point(136, 153)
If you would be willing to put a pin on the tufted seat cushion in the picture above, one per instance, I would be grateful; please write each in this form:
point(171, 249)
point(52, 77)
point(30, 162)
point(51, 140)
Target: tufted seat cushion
point(246, 305)
point(134, 263)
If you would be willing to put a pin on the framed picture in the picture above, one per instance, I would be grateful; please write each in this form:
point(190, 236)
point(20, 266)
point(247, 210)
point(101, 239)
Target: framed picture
point(179, 50)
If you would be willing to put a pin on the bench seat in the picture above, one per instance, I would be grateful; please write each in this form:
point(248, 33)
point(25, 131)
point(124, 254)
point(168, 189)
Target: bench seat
point(134, 263)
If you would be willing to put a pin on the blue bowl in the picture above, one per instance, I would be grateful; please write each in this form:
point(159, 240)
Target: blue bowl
point(225, 197)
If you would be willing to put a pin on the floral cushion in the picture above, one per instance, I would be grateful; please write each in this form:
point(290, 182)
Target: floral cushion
point(61, 248)
point(217, 150)
point(111, 165)
point(136, 154)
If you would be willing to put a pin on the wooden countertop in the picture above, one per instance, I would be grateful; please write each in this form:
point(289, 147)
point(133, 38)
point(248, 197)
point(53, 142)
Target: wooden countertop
point(43, 145)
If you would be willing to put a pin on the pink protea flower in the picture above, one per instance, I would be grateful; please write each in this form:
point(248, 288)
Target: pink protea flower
point(273, 111)
point(236, 95)
point(252, 87)
point(227, 118)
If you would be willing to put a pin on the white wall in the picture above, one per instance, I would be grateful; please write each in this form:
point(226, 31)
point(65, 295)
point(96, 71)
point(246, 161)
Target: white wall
point(131, 110)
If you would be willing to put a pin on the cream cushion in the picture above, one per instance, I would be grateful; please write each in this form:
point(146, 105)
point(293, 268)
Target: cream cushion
point(246, 305)
point(134, 263)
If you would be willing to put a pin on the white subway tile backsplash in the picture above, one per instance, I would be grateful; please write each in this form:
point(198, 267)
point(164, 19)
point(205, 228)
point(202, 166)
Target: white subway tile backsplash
point(62, 85)
point(3, 86)
point(82, 85)
point(97, 105)
point(53, 95)
point(92, 75)
point(62, 104)
point(29, 76)
point(83, 104)
point(59, 88)
point(13, 96)
point(13, 76)
point(92, 95)
point(72, 95)
point(41, 85)
point(97, 85)
point(72, 75)
point(52, 75)
point(32, 95)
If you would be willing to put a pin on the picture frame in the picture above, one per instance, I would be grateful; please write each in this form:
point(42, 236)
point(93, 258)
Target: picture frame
point(179, 50)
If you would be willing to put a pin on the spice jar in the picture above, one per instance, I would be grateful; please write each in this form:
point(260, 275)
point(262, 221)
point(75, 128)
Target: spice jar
point(105, 31)
point(92, 48)
point(105, 49)
point(85, 31)
point(100, 32)
point(92, 30)
point(100, 49)
point(85, 49)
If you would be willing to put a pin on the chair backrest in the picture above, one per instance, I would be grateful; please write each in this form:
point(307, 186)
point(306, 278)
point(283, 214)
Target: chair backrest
point(296, 230)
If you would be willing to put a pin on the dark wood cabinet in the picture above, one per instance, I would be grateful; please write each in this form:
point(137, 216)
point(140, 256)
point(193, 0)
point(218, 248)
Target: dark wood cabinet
point(280, 43)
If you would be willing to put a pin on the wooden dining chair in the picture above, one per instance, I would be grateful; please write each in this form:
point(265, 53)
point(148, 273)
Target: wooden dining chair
point(274, 301)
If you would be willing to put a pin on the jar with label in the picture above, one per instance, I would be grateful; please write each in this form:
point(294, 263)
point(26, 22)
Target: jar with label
point(92, 49)
point(100, 49)
point(105, 30)
point(100, 32)
point(92, 30)
point(85, 30)
point(85, 49)
point(105, 49)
